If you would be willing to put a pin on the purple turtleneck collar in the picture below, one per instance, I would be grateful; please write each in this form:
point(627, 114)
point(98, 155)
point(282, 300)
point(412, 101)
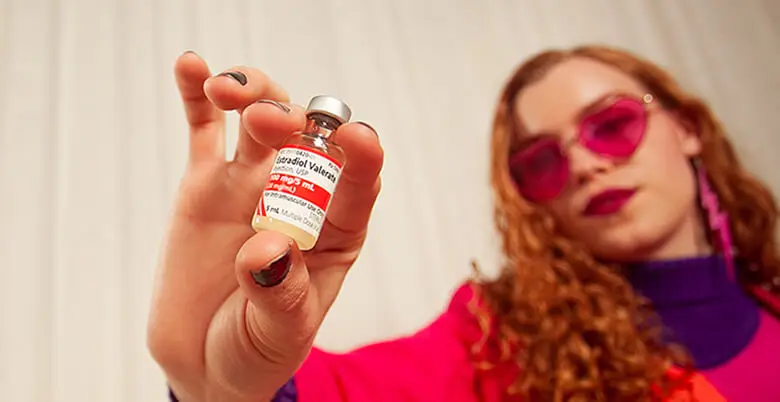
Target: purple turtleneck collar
point(699, 305)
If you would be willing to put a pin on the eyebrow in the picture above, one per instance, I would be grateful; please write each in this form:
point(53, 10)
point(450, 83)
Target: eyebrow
point(588, 109)
point(598, 103)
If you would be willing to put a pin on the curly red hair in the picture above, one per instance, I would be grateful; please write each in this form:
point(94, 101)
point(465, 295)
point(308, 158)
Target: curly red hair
point(585, 335)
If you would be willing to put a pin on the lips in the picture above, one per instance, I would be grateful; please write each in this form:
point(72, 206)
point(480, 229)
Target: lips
point(608, 202)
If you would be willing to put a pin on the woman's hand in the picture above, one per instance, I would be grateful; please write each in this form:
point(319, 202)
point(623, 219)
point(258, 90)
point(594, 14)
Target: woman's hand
point(235, 312)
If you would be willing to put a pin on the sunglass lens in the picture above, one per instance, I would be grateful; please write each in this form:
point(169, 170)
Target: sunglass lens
point(615, 131)
point(540, 170)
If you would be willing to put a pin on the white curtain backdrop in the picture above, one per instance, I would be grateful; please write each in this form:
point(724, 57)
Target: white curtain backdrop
point(93, 141)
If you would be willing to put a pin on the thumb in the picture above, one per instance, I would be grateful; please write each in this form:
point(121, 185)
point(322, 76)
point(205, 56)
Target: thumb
point(283, 312)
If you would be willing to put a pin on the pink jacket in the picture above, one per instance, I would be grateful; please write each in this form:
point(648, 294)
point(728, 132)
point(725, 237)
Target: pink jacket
point(433, 365)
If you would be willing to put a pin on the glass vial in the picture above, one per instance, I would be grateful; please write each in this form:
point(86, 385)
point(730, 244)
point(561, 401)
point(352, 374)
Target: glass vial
point(304, 176)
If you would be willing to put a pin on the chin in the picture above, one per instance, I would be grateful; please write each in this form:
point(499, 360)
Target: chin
point(625, 242)
point(618, 252)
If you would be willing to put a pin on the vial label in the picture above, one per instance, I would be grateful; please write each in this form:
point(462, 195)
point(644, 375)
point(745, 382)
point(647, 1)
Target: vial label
point(300, 188)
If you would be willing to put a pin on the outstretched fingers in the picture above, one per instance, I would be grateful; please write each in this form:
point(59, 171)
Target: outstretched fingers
point(240, 89)
point(206, 122)
point(267, 124)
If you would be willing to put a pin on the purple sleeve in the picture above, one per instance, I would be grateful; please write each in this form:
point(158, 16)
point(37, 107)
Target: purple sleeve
point(287, 393)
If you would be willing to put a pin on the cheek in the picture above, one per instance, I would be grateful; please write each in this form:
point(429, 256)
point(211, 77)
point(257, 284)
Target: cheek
point(663, 171)
point(672, 186)
point(661, 160)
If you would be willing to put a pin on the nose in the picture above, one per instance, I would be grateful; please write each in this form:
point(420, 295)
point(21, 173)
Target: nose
point(585, 165)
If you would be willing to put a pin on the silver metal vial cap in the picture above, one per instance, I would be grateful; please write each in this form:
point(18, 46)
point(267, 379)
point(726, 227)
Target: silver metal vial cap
point(329, 106)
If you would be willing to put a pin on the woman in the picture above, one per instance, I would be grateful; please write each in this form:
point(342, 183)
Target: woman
point(640, 265)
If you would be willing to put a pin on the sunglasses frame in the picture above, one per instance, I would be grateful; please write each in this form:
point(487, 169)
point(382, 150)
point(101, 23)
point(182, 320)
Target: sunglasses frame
point(564, 146)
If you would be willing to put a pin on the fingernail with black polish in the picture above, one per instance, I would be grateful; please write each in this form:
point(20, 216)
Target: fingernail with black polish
point(281, 106)
point(275, 273)
point(236, 75)
point(368, 126)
